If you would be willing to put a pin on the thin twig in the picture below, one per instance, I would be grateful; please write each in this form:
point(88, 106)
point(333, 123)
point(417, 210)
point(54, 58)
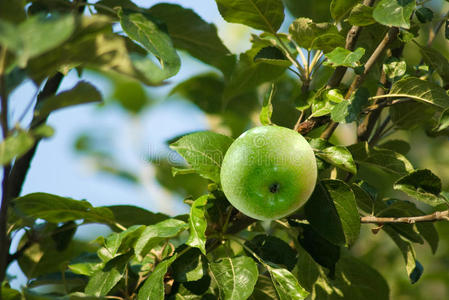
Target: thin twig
point(358, 80)
point(436, 216)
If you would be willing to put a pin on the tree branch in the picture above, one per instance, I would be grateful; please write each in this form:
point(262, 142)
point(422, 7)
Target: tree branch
point(436, 216)
point(334, 81)
point(358, 80)
point(21, 166)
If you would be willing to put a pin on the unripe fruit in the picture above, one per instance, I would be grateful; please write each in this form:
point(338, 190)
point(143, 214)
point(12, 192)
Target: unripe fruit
point(268, 172)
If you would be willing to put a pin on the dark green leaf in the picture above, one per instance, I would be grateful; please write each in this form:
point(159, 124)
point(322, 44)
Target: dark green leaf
point(12, 11)
point(424, 14)
point(394, 12)
point(143, 29)
point(15, 146)
point(57, 209)
point(189, 32)
point(319, 248)
point(153, 288)
point(361, 15)
point(409, 115)
point(104, 280)
point(344, 201)
point(422, 91)
point(436, 61)
point(204, 152)
point(266, 15)
point(264, 289)
point(398, 146)
point(384, 159)
point(338, 156)
point(422, 185)
point(319, 11)
point(273, 249)
point(154, 234)
point(128, 215)
point(323, 216)
point(249, 74)
point(190, 266)
point(340, 8)
point(198, 224)
point(287, 286)
point(344, 57)
point(443, 122)
point(235, 277)
point(82, 93)
point(10, 294)
point(354, 280)
point(413, 267)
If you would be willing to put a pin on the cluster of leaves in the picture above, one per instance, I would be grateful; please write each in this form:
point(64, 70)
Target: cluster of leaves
point(215, 251)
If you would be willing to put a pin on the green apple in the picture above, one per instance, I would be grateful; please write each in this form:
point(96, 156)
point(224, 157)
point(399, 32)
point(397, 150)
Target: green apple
point(268, 172)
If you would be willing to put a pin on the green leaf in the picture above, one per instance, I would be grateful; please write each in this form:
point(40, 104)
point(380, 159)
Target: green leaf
point(412, 265)
point(394, 68)
point(422, 185)
point(436, 61)
point(93, 46)
point(323, 216)
point(267, 108)
point(398, 146)
point(12, 11)
point(266, 15)
point(249, 74)
point(264, 289)
point(424, 14)
point(57, 209)
point(155, 234)
point(273, 249)
point(104, 280)
point(190, 266)
point(15, 146)
point(443, 122)
point(344, 201)
point(338, 156)
point(383, 159)
point(320, 249)
point(344, 57)
point(361, 15)
point(354, 280)
point(198, 224)
point(35, 36)
point(10, 294)
point(412, 114)
point(43, 256)
point(287, 286)
point(82, 93)
point(394, 12)
point(309, 35)
point(421, 90)
point(340, 8)
point(143, 29)
point(204, 152)
point(189, 32)
point(128, 215)
point(235, 277)
point(348, 111)
point(153, 288)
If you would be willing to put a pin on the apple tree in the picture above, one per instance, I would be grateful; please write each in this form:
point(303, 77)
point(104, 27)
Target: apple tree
point(365, 82)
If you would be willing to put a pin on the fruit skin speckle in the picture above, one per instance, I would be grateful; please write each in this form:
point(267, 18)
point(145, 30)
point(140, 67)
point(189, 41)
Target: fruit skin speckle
point(268, 172)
